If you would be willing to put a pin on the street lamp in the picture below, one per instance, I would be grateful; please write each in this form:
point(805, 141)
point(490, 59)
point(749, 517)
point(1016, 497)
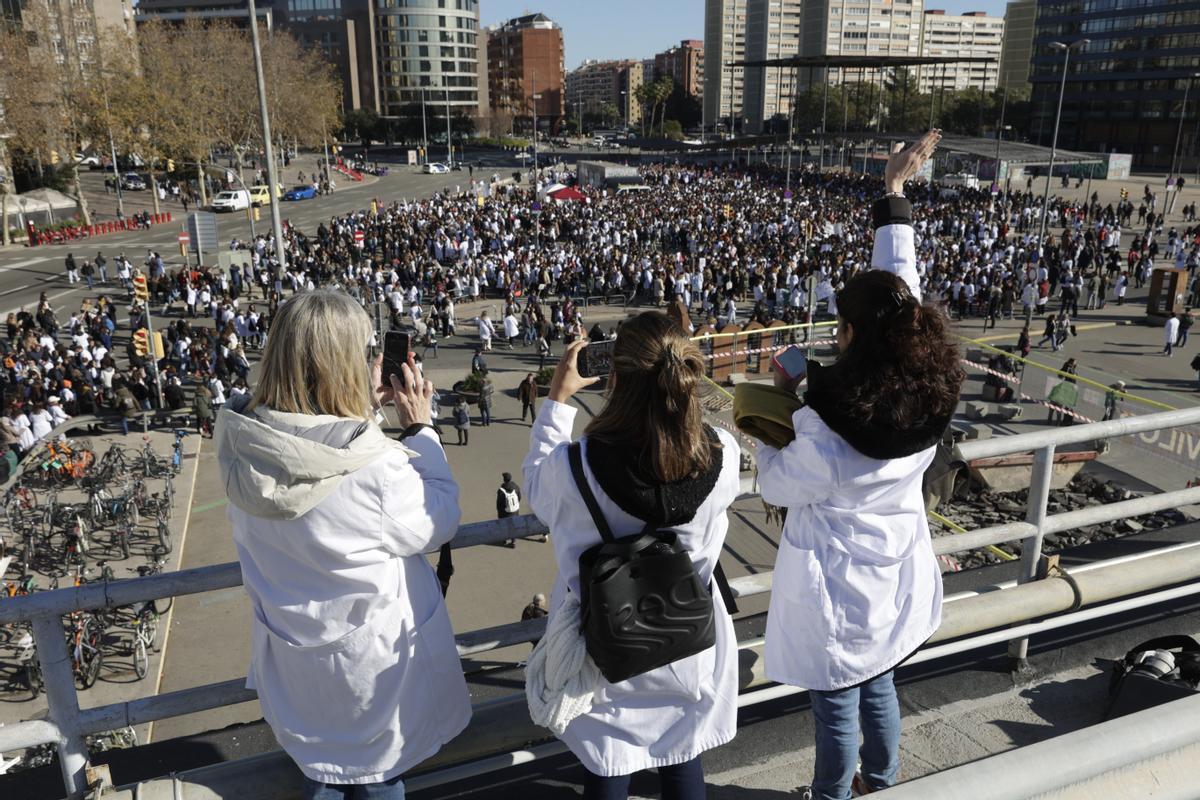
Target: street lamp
point(1062, 86)
point(424, 130)
point(625, 110)
point(535, 97)
point(1182, 112)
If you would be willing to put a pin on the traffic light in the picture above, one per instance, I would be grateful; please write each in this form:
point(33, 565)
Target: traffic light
point(170, 165)
point(141, 342)
point(53, 156)
point(159, 351)
point(140, 290)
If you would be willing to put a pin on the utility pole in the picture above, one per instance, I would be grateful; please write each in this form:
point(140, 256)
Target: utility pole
point(999, 134)
point(268, 152)
point(449, 144)
point(324, 144)
point(424, 130)
point(535, 97)
point(1062, 87)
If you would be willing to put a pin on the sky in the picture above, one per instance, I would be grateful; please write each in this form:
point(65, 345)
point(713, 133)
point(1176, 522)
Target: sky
point(605, 29)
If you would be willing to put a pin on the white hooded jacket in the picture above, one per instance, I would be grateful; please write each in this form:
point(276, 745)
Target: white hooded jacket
point(353, 655)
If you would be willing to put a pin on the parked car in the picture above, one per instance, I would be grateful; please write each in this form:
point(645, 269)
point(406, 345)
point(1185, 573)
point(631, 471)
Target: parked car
point(90, 161)
point(300, 193)
point(435, 168)
point(260, 194)
point(132, 182)
point(232, 200)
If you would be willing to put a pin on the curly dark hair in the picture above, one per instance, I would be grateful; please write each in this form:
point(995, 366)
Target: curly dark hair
point(900, 369)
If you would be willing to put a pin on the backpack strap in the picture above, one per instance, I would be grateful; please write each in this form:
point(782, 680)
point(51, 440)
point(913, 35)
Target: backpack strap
point(575, 456)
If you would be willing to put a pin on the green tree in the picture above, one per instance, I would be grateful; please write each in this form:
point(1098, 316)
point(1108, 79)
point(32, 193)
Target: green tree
point(363, 124)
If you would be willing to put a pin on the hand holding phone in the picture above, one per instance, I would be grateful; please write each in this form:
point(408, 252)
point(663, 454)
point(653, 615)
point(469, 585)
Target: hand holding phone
point(396, 352)
point(791, 365)
point(595, 360)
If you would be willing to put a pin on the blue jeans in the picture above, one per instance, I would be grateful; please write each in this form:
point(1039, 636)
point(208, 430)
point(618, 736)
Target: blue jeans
point(679, 782)
point(837, 715)
point(387, 790)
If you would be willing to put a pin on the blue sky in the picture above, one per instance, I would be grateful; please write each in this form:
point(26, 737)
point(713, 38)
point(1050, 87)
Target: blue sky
point(640, 28)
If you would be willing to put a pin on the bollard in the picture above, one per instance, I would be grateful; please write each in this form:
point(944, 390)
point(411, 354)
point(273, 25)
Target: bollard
point(168, 216)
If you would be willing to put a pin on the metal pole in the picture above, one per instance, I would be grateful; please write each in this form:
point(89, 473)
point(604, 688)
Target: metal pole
point(449, 145)
point(116, 172)
point(534, 98)
point(328, 172)
point(268, 152)
point(424, 130)
point(824, 113)
point(1031, 548)
point(999, 135)
point(1062, 87)
point(1179, 130)
point(150, 342)
point(787, 187)
point(59, 680)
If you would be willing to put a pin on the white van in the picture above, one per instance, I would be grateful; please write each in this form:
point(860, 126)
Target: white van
point(233, 200)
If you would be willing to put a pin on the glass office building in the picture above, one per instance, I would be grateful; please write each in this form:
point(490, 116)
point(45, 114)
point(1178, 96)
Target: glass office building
point(430, 44)
point(1125, 89)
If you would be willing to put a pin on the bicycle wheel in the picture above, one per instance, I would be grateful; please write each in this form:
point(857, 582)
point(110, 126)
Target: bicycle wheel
point(141, 661)
point(164, 535)
point(33, 678)
point(148, 627)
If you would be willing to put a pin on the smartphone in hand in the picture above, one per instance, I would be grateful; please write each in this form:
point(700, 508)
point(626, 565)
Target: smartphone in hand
point(790, 362)
point(595, 360)
point(396, 350)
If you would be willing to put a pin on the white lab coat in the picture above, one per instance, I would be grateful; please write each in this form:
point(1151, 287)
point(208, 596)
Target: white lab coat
point(487, 329)
point(1170, 334)
point(857, 587)
point(671, 714)
point(353, 655)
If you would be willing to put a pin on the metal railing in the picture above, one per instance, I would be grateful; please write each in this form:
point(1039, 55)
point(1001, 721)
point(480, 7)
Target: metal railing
point(67, 725)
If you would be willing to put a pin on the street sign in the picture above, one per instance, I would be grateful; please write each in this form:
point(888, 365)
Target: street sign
point(202, 225)
point(359, 236)
point(184, 237)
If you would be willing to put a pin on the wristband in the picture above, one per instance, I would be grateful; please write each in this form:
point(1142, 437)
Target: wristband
point(414, 429)
point(895, 194)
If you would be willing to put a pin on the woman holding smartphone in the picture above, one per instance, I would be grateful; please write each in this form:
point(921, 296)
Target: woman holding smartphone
point(649, 458)
point(857, 587)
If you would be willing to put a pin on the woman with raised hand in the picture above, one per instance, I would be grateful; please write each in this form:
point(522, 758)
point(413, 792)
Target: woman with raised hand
point(353, 657)
point(651, 464)
point(857, 588)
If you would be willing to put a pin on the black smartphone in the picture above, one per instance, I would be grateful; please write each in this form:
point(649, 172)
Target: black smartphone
point(396, 346)
point(595, 360)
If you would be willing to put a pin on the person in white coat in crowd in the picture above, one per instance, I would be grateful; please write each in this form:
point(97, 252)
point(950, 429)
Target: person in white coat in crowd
point(649, 458)
point(857, 586)
point(487, 329)
point(353, 657)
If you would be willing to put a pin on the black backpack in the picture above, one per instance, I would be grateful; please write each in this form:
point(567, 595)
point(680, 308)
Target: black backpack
point(1154, 672)
point(642, 604)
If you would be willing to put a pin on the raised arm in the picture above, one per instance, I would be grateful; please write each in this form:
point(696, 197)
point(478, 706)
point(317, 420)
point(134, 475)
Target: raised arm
point(895, 247)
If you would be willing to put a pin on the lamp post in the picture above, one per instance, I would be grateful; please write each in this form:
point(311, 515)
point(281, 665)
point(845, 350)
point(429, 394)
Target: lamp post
point(1062, 86)
point(1179, 131)
point(535, 97)
point(268, 155)
point(1000, 128)
point(449, 144)
point(424, 129)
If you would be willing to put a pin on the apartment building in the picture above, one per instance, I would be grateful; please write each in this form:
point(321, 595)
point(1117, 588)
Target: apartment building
point(1016, 53)
point(724, 47)
point(685, 64)
point(597, 84)
point(772, 31)
point(524, 59)
point(974, 34)
point(859, 28)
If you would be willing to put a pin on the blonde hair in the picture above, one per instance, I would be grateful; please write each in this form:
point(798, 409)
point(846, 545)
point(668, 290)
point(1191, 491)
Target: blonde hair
point(654, 407)
point(316, 357)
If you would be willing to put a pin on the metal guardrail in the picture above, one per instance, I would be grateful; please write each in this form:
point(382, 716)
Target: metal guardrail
point(68, 724)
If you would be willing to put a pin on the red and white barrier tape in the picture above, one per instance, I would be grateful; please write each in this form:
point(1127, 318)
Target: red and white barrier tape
point(1012, 379)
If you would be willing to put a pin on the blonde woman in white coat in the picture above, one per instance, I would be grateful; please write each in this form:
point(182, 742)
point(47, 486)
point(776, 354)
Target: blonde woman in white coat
point(353, 657)
point(857, 588)
point(648, 457)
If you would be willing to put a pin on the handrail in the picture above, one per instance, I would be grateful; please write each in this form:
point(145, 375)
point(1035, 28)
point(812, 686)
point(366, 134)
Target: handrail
point(68, 724)
point(1076, 434)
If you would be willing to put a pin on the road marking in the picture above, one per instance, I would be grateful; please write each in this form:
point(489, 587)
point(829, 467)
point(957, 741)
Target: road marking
point(54, 296)
point(26, 263)
point(210, 506)
point(999, 337)
point(162, 653)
